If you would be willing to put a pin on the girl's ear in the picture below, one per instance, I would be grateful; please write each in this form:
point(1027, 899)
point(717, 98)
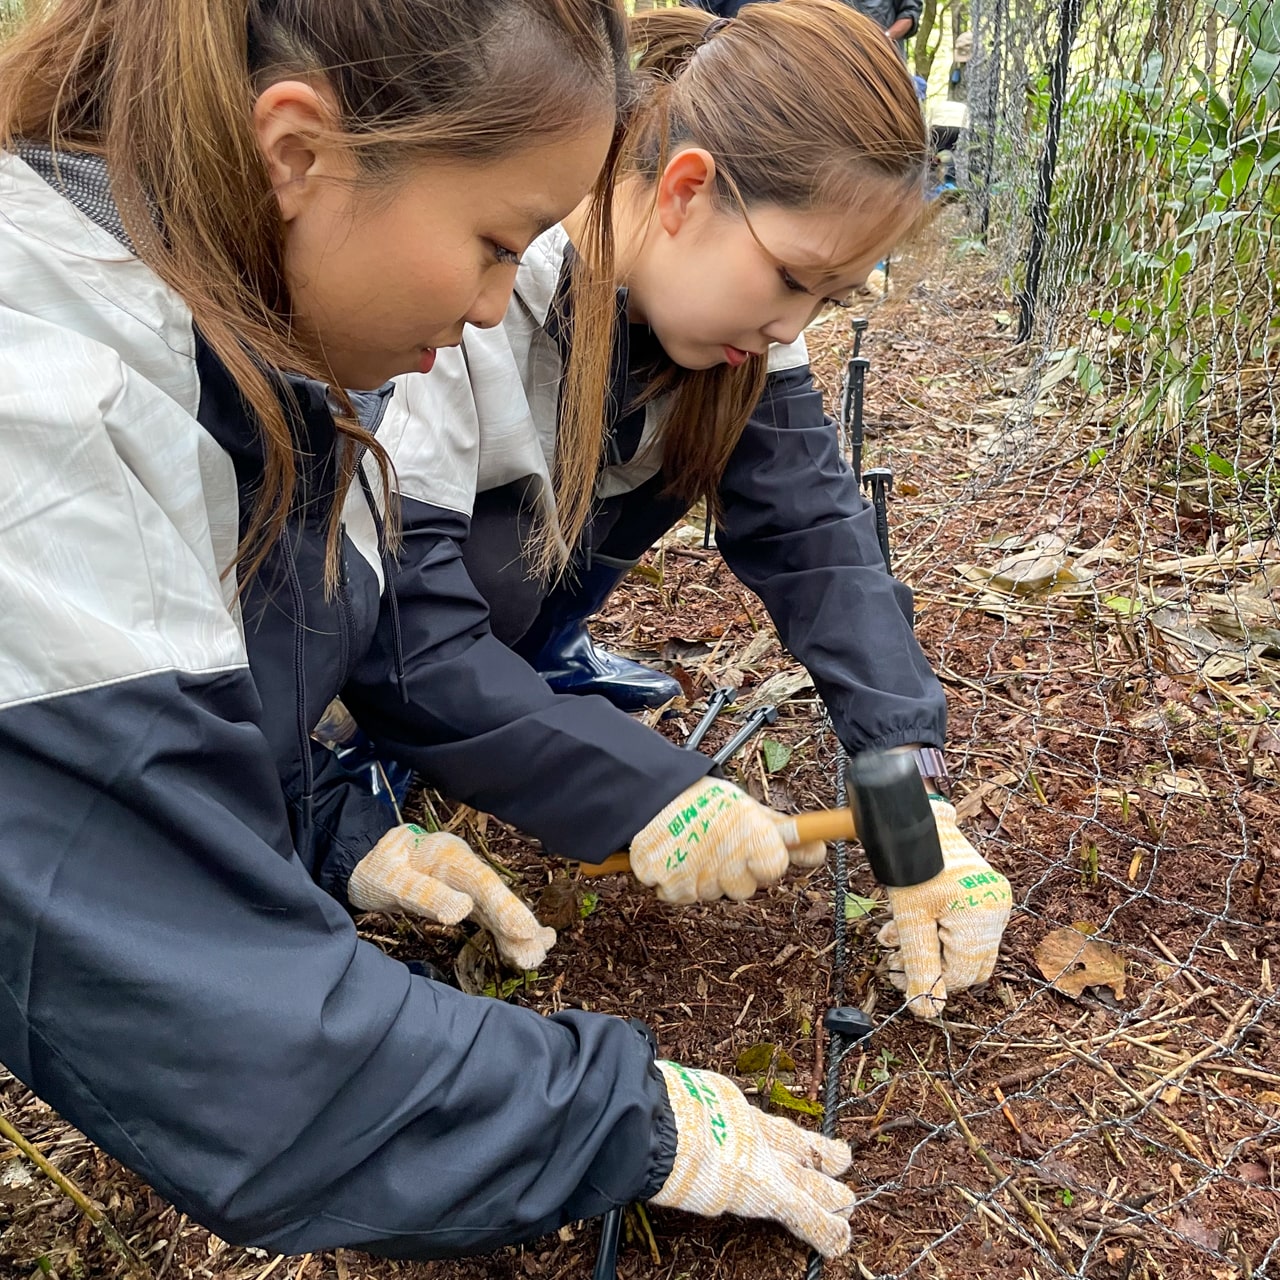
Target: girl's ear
point(290, 120)
point(688, 175)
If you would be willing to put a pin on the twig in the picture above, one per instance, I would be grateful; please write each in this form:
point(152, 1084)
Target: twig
point(1107, 1140)
point(82, 1202)
point(1196, 1058)
point(1032, 1212)
point(1101, 1064)
point(172, 1249)
point(646, 1229)
point(1006, 1110)
point(270, 1267)
point(1185, 970)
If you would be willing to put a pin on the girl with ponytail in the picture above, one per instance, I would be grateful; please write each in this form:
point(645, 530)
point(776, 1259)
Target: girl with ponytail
point(224, 226)
point(772, 160)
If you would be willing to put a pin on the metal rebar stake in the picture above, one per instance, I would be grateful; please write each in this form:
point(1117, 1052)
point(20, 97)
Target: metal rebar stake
point(836, 1047)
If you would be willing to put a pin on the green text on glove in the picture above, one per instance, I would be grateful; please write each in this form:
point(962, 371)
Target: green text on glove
point(703, 1094)
point(686, 823)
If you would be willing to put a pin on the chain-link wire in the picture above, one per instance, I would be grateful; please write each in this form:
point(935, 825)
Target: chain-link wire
point(1096, 578)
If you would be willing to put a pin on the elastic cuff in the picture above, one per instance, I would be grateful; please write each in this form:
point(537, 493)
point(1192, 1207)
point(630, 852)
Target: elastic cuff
point(665, 1138)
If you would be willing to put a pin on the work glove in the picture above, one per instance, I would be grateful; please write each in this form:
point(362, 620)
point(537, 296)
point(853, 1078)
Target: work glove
point(945, 933)
point(732, 1158)
point(437, 876)
point(713, 840)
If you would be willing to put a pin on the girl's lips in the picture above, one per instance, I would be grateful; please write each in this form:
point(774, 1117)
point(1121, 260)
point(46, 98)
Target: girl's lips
point(427, 360)
point(735, 356)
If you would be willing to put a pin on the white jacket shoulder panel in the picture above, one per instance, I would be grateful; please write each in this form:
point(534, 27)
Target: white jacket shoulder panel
point(119, 512)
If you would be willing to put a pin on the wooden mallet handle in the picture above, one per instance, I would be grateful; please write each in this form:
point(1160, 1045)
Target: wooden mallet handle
point(802, 828)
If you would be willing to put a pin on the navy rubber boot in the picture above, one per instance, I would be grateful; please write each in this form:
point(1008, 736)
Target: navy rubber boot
point(558, 645)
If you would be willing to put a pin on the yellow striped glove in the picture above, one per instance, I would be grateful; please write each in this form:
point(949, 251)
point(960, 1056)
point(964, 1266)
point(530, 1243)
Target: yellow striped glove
point(712, 841)
point(732, 1158)
point(437, 876)
point(945, 933)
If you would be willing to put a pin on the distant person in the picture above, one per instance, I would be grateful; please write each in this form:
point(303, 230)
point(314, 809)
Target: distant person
point(949, 120)
point(958, 76)
point(896, 18)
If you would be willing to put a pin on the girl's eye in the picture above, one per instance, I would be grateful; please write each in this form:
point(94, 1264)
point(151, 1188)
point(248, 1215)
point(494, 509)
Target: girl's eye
point(843, 303)
point(791, 282)
point(506, 257)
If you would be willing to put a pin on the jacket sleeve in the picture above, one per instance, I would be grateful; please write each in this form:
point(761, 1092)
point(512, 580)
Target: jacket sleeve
point(478, 722)
point(171, 978)
point(347, 819)
point(796, 531)
point(908, 9)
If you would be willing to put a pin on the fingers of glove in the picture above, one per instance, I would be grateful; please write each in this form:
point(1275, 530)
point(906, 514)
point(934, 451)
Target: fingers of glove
point(422, 895)
point(921, 951)
point(525, 952)
point(970, 947)
point(521, 940)
point(810, 855)
point(803, 1147)
point(789, 1200)
point(734, 882)
point(891, 960)
point(766, 857)
point(829, 1193)
point(763, 860)
point(987, 967)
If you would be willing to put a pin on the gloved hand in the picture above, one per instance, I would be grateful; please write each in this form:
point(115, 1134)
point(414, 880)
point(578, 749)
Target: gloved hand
point(437, 876)
point(945, 933)
point(732, 1158)
point(713, 840)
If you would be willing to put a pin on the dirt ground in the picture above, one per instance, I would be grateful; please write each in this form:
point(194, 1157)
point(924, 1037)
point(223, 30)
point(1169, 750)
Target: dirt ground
point(1127, 1132)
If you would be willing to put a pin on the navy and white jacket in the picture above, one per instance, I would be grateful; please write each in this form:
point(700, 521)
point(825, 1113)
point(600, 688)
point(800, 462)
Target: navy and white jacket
point(173, 977)
point(794, 528)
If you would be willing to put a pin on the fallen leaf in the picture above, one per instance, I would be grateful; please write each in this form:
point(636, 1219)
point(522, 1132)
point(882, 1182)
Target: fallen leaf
point(777, 755)
point(978, 798)
point(856, 906)
point(1034, 569)
point(777, 689)
point(1197, 1232)
point(559, 905)
point(1070, 962)
point(1178, 784)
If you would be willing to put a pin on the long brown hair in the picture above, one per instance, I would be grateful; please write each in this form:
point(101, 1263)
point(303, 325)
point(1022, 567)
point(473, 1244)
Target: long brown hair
point(164, 90)
point(800, 103)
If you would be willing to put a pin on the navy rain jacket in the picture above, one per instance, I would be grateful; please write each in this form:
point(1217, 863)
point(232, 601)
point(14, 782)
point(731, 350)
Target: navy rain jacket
point(173, 979)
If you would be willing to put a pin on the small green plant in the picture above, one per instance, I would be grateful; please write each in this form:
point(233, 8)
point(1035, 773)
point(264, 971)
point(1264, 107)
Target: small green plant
point(510, 985)
point(882, 1072)
point(1089, 864)
point(1066, 1197)
point(590, 901)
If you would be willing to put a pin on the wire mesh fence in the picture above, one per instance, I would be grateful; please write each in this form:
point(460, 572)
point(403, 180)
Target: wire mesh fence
point(1096, 576)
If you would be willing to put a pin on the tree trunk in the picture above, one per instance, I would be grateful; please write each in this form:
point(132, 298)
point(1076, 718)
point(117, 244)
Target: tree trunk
point(1211, 47)
point(924, 29)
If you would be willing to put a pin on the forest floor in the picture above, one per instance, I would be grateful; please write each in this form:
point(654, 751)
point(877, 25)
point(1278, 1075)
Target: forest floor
point(1115, 750)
